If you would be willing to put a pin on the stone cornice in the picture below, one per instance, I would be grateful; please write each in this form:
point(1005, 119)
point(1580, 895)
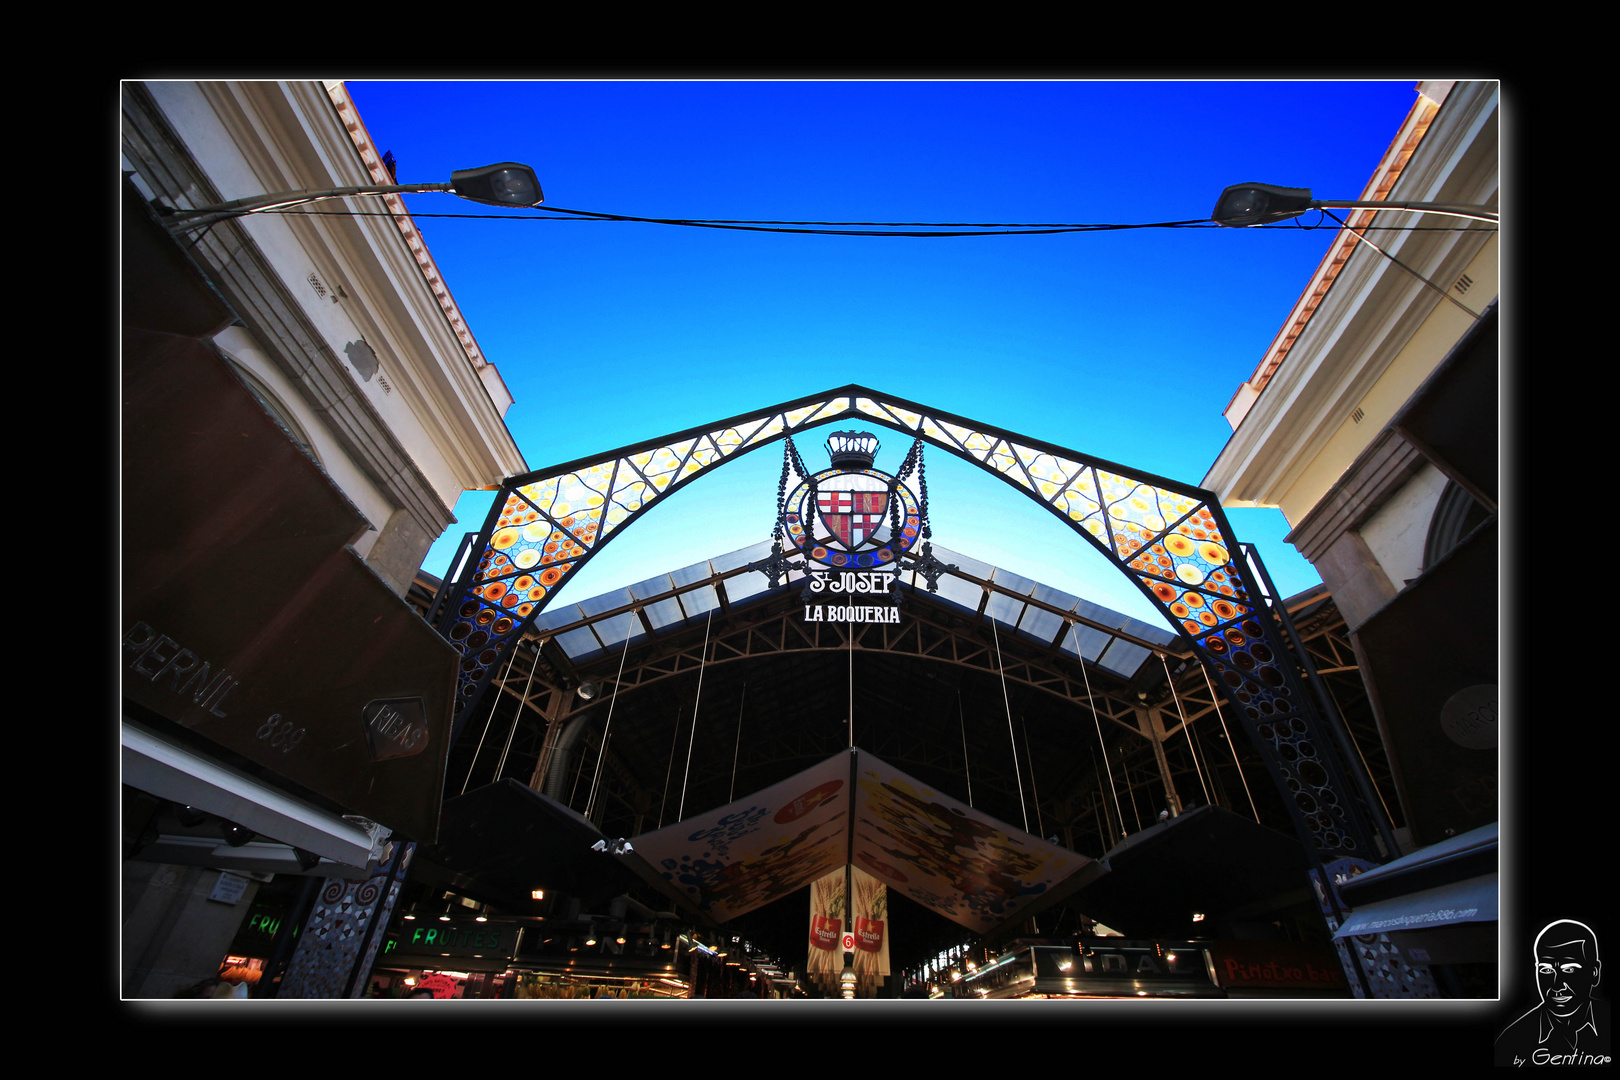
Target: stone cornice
point(402, 220)
point(1377, 474)
point(246, 277)
point(1378, 187)
point(1370, 314)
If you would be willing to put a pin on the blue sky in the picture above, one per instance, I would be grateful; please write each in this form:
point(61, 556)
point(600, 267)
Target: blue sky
point(1124, 345)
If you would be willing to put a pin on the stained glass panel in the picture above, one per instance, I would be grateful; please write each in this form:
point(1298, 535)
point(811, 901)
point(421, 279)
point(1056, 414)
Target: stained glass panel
point(1171, 540)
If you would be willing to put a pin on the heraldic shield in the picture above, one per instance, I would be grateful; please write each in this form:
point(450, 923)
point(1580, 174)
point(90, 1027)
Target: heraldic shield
point(852, 516)
point(849, 523)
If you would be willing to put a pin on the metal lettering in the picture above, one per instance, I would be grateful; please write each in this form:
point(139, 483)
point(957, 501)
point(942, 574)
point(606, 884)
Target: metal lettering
point(207, 690)
point(177, 667)
point(151, 651)
point(143, 645)
point(199, 677)
point(220, 700)
point(188, 673)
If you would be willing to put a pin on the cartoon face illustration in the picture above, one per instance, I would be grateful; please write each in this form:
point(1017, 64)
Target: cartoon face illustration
point(1567, 968)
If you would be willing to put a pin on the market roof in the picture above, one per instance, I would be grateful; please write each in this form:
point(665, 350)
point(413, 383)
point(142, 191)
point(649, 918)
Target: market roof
point(683, 599)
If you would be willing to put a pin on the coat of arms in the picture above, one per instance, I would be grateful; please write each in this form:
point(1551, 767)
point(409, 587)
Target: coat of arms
point(852, 516)
point(852, 520)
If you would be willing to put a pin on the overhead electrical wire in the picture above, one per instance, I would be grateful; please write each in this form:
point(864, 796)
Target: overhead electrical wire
point(914, 229)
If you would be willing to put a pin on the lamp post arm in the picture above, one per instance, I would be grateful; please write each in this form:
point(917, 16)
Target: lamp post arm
point(259, 203)
point(1462, 210)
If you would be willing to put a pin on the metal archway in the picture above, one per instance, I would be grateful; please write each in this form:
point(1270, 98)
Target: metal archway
point(1171, 540)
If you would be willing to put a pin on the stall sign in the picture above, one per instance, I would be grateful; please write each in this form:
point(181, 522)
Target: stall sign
point(1276, 965)
point(455, 938)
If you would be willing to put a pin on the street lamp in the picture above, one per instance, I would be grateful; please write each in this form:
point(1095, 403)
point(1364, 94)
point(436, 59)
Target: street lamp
point(1245, 205)
point(503, 184)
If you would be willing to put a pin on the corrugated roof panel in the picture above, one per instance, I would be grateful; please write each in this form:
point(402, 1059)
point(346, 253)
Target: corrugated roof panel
point(612, 631)
point(1091, 642)
point(1011, 612)
point(699, 602)
point(742, 557)
point(1055, 597)
point(1040, 626)
point(580, 645)
point(1005, 610)
point(967, 564)
point(688, 574)
point(1010, 581)
point(1135, 627)
point(559, 616)
point(963, 594)
point(1123, 658)
point(653, 586)
point(664, 613)
point(745, 587)
point(607, 601)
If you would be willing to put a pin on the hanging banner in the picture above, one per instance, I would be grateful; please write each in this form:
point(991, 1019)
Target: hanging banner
point(826, 954)
point(967, 866)
point(866, 935)
point(871, 924)
point(741, 856)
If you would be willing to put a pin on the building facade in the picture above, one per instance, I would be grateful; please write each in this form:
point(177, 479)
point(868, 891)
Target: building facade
point(302, 403)
point(1372, 421)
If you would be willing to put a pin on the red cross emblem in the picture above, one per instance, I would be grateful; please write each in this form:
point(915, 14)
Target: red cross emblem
point(852, 516)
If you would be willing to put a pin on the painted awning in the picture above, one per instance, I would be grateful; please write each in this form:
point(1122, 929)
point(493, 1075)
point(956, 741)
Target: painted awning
point(1473, 900)
point(853, 807)
point(1451, 883)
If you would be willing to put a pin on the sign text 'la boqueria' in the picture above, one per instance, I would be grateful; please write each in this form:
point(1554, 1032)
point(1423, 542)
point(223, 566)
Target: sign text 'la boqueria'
point(849, 583)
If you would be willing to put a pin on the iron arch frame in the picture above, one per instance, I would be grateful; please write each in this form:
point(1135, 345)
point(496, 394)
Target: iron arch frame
point(1171, 540)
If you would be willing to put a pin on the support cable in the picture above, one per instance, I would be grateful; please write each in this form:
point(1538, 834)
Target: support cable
point(1011, 741)
point(579, 771)
point(669, 769)
point(1360, 234)
point(736, 751)
point(1034, 792)
point(1209, 769)
point(522, 703)
point(851, 633)
point(1130, 789)
point(1216, 698)
point(1099, 808)
point(509, 661)
point(1186, 726)
point(1097, 720)
point(590, 803)
point(703, 659)
point(1355, 743)
point(966, 773)
point(548, 744)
